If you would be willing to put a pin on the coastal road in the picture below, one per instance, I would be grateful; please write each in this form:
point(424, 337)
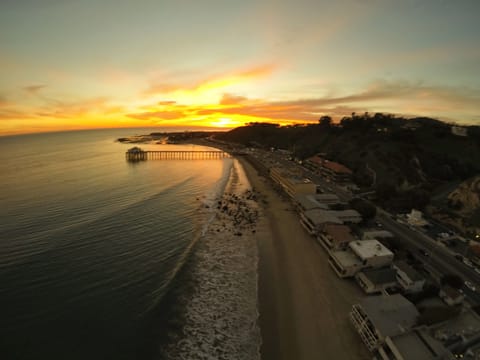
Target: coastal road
point(439, 257)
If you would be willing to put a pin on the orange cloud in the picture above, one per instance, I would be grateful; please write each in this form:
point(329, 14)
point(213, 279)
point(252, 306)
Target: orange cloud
point(169, 83)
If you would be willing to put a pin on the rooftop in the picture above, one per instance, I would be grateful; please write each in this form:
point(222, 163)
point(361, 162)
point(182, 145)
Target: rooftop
point(466, 324)
point(391, 315)
point(380, 276)
point(319, 217)
point(376, 234)
point(336, 167)
point(346, 258)
point(338, 233)
point(346, 213)
point(366, 249)
point(407, 269)
point(309, 202)
point(419, 345)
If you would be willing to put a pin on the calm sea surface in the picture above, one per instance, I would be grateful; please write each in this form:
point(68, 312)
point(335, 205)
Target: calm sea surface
point(89, 243)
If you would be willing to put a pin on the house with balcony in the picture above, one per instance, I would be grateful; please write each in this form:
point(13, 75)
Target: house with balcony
point(377, 317)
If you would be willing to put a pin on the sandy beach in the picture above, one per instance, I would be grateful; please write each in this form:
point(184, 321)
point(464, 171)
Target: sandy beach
point(303, 305)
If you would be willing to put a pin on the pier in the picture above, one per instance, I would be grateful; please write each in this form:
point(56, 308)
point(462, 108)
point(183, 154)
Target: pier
point(137, 154)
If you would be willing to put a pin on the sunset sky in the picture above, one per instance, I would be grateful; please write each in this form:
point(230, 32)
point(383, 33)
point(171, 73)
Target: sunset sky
point(71, 64)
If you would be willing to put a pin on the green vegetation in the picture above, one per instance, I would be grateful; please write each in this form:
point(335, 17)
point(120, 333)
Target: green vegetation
point(405, 160)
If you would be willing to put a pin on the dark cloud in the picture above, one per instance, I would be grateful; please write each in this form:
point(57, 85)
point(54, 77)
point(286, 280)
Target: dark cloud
point(34, 89)
point(378, 96)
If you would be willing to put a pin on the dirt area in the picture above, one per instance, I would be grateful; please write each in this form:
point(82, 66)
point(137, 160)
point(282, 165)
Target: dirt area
point(303, 305)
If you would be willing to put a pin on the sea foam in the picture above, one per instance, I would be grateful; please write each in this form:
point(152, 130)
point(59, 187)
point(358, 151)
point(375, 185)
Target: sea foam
point(221, 316)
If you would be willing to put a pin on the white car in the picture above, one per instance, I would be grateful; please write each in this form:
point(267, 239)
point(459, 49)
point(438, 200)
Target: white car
point(469, 285)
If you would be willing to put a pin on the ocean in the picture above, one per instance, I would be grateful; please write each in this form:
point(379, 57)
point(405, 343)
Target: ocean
point(101, 258)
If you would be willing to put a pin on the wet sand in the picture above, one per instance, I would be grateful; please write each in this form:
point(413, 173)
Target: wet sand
point(303, 305)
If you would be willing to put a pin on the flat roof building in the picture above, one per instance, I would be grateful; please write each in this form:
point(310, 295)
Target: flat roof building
point(376, 280)
point(291, 183)
point(316, 201)
point(313, 220)
point(415, 344)
point(372, 252)
point(377, 317)
point(360, 255)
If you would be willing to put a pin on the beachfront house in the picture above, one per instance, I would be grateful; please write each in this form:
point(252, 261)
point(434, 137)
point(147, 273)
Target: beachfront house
point(415, 344)
point(376, 280)
point(348, 216)
point(360, 255)
point(314, 220)
point(291, 183)
point(332, 170)
point(335, 237)
point(377, 317)
point(408, 278)
point(315, 201)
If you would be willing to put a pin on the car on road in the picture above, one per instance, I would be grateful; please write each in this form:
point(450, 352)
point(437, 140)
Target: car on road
point(469, 285)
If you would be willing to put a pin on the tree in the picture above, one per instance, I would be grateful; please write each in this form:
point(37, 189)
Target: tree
point(452, 280)
point(325, 121)
point(365, 208)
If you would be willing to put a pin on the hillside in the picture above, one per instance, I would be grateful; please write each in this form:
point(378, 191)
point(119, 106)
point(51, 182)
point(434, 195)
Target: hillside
point(463, 207)
point(404, 159)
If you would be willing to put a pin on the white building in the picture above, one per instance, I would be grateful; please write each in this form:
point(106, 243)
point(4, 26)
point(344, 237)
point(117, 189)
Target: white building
point(360, 255)
point(408, 278)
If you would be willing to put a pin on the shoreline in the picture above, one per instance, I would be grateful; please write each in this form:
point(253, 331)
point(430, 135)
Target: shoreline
point(220, 317)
